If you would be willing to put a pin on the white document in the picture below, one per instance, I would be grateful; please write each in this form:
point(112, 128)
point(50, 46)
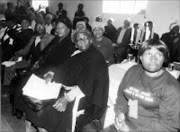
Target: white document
point(39, 89)
point(8, 63)
point(11, 63)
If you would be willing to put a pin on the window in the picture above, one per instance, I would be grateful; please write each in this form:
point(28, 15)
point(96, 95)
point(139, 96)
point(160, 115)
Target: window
point(124, 6)
point(40, 3)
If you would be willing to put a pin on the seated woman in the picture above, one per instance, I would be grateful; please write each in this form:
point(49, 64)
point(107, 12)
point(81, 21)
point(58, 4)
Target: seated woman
point(102, 43)
point(148, 96)
point(86, 71)
point(54, 54)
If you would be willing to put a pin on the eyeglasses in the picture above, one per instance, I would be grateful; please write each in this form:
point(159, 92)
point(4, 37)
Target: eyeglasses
point(59, 28)
point(82, 39)
point(39, 26)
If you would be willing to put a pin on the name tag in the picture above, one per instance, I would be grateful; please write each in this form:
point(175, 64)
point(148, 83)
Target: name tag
point(133, 108)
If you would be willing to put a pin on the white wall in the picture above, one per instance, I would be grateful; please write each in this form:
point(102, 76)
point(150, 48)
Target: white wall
point(162, 13)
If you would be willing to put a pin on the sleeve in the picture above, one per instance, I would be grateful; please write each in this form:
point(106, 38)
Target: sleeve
point(169, 112)
point(88, 80)
point(107, 50)
point(25, 51)
point(121, 101)
point(94, 83)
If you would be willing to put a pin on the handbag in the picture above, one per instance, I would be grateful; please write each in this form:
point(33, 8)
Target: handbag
point(36, 104)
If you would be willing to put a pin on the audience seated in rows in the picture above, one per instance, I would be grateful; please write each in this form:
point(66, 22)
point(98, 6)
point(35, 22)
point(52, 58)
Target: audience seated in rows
point(56, 55)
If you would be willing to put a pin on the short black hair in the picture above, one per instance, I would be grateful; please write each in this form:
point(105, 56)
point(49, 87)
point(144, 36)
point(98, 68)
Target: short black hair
point(66, 21)
point(149, 23)
point(80, 6)
point(135, 25)
point(160, 45)
point(26, 17)
point(60, 4)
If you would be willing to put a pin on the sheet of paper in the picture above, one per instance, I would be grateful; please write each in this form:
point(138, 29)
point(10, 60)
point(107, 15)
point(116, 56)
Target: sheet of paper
point(8, 63)
point(39, 89)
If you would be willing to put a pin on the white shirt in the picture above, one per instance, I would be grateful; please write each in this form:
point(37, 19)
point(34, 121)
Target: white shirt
point(121, 35)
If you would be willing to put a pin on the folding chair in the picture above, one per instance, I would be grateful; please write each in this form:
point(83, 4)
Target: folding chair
point(75, 112)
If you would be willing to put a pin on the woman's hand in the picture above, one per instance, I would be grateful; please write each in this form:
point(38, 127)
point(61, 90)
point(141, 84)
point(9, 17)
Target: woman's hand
point(48, 76)
point(61, 104)
point(114, 45)
point(120, 123)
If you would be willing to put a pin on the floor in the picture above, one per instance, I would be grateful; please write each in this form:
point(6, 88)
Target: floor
point(10, 123)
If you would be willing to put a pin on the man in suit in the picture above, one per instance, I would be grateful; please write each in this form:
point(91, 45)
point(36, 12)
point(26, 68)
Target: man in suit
point(148, 32)
point(31, 52)
point(121, 41)
point(110, 30)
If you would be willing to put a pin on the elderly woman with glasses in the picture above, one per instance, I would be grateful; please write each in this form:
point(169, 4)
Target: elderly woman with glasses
point(84, 72)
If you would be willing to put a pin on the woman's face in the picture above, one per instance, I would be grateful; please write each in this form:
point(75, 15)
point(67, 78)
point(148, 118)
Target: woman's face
point(25, 24)
point(83, 42)
point(152, 60)
point(61, 29)
point(98, 32)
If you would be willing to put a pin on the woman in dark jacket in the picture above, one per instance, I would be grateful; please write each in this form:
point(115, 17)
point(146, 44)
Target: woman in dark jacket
point(60, 48)
point(55, 53)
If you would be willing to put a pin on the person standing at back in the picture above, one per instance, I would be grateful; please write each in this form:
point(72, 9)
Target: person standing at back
point(61, 13)
point(79, 14)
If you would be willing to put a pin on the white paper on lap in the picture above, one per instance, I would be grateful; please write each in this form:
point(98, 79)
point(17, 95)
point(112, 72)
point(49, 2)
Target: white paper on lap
point(39, 89)
point(8, 63)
